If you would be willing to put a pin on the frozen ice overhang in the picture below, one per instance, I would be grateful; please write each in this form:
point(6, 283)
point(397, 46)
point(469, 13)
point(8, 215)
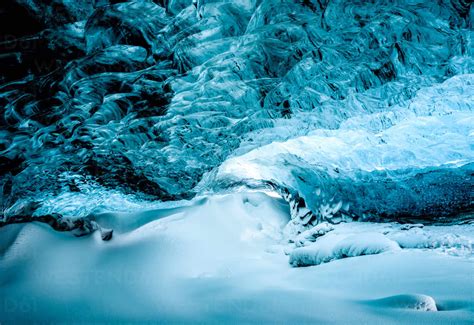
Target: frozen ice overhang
point(417, 165)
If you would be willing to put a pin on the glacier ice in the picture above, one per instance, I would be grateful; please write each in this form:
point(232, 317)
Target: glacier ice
point(351, 110)
point(417, 167)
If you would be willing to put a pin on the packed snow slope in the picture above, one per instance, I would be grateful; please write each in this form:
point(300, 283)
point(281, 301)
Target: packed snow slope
point(355, 110)
point(223, 259)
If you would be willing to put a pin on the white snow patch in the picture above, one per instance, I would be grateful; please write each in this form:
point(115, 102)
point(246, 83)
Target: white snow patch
point(330, 248)
point(409, 301)
point(443, 238)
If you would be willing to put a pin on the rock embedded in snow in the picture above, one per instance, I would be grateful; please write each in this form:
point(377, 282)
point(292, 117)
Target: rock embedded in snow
point(106, 234)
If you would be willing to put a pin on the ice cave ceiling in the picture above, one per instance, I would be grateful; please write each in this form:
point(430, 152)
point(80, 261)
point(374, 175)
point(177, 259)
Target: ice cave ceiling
point(349, 109)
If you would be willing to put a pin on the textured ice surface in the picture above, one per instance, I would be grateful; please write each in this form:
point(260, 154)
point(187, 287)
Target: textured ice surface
point(417, 167)
point(349, 109)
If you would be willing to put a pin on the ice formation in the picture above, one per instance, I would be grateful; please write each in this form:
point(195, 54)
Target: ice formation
point(204, 151)
point(323, 244)
point(331, 248)
point(351, 110)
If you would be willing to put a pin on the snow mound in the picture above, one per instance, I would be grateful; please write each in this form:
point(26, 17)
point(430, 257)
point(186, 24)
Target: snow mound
point(408, 301)
point(335, 247)
point(455, 240)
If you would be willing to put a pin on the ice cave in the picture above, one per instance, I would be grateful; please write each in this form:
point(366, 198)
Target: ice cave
point(237, 161)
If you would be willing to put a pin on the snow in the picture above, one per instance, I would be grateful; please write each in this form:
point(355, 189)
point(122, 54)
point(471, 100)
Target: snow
point(415, 302)
point(332, 247)
point(455, 241)
point(313, 233)
point(224, 259)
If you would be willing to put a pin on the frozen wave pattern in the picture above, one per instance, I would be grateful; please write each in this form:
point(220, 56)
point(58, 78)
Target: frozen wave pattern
point(414, 161)
point(351, 109)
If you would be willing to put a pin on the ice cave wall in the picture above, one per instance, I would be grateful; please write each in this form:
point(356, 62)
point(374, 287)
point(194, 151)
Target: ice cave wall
point(351, 109)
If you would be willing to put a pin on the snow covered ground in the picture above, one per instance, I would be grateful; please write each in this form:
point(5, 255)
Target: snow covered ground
point(227, 258)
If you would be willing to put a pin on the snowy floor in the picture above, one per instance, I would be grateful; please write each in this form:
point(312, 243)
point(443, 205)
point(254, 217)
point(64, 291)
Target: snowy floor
point(226, 258)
